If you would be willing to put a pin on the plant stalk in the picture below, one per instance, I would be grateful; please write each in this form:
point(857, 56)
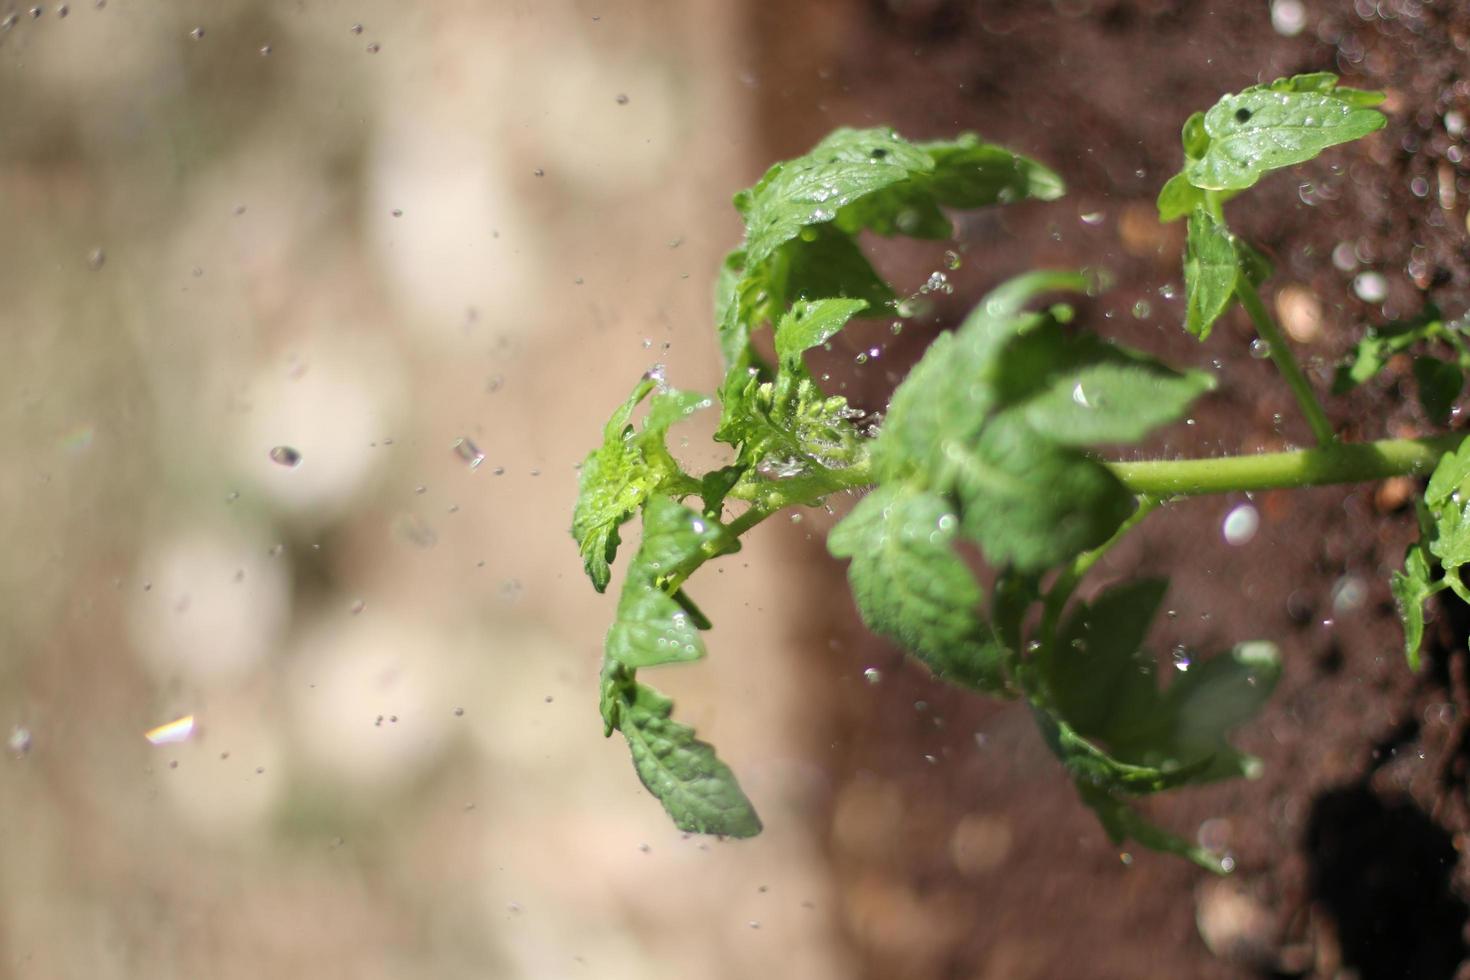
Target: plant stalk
point(1285, 362)
point(1361, 462)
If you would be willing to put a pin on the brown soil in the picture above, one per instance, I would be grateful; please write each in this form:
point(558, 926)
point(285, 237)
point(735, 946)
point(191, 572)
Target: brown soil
point(962, 849)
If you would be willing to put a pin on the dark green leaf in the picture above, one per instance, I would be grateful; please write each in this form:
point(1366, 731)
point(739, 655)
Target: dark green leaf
point(1033, 503)
point(699, 791)
point(1210, 270)
point(970, 173)
point(1439, 387)
point(1091, 765)
point(1097, 671)
point(911, 586)
point(1198, 711)
point(1267, 128)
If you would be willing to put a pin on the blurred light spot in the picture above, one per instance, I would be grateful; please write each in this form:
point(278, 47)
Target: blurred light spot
point(175, 731)
point(1241, 525)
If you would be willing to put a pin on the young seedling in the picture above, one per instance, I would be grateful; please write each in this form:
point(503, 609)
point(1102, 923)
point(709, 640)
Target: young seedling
point(989, 440)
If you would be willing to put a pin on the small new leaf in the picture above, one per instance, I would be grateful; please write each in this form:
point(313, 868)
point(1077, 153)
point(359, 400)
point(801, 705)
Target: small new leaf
point(619, 475)
point(911, 586)
point(1412, 587)
point(699, 791)
point(1211, 266)
point(809, 325)
point(1290, 121)
point(1379, 344)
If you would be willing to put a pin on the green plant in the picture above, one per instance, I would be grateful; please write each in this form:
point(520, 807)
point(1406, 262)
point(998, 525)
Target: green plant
point(991, 440)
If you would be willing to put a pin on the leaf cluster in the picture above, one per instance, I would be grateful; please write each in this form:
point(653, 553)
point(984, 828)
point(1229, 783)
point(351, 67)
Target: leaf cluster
point(1229, 148)
point(990, 449)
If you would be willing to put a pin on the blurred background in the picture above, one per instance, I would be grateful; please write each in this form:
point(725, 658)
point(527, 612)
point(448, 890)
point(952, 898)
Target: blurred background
point(310, 312)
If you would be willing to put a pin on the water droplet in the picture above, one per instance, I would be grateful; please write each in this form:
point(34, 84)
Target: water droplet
point(621, 99)
point(285, 456)
point(265, 50)
point(469, 452)
point(1370, 287)
point(355, 29)
point(1288, 17)
point(1142, 310)
point(197, 33)
point(19, 742)
point(96, 259)
point(357, 606)
point(1168, 291)
point(374, 48)
point(1241, 525)
point(397, 212)
point(1181, 658)
point(1079, 396)
point(1344, 257)
point(873, 675)
point(1348, 593)
point(952, 260)
point(538, 172)
point(1092, 218)
point(1260, 349)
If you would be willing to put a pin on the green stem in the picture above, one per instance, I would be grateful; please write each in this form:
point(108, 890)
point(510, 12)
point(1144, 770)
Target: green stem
point(1281, 354)
point(1360, 462)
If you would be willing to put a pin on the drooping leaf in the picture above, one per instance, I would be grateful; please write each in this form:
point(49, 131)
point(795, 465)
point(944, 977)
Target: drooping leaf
point(1265, 128)
point(1412, 587)
point(699, 791)
point(911, 586)
point(1097, 671)
point(652, 626)
point(619, 475)
point(1211, 267)
point(1123, 823)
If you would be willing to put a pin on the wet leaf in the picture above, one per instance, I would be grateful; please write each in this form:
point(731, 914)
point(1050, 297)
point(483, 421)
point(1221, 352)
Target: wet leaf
point(912, 587)
point(1290, 121)
point(1211, 267)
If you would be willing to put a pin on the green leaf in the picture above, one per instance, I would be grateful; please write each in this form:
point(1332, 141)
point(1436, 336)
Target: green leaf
point(1439, 387)
point(947, 397)
point(1411, 588)
point(653, 627)
point(619, 476)
point(1373, 352)
point(845, 167)
point(1210, 270)
point(809, 325)
point(1091, 765)
point(1082, 391)
point(1265, 128)
point(823, 261)
point(1033, 503)
point(1445, 517)
point(1193, 136)
point(1178, 198)
point(1197, 712)
point(970, 173)
point(911, 586)
point(788, 433)
point(699, 791)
